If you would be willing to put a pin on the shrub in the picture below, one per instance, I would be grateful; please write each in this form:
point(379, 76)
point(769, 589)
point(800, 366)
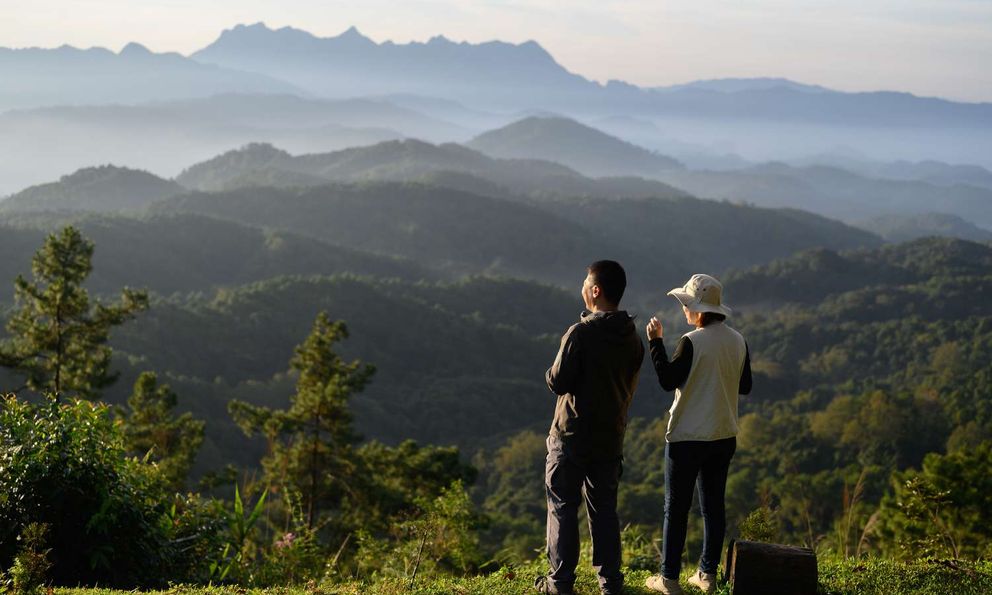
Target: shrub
point(27, 575)
point(111, 521)
point(760, 525)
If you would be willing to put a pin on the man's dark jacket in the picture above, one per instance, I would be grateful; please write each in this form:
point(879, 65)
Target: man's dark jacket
point(595, 375)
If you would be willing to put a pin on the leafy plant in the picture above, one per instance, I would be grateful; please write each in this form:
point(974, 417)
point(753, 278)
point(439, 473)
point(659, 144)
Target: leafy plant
point(234, 556)
point(108, 515)
point(760, 525)
point(28, 574)
point(439, 538)
point(944, 509)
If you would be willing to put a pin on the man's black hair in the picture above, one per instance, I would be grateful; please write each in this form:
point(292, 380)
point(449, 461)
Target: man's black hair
point(709, 318)
point(611, 279)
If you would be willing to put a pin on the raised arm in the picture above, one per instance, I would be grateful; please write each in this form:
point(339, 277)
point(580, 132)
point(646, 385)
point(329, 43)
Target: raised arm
point(671, 373)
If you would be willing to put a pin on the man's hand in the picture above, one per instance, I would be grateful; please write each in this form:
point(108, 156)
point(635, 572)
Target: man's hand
point(655, 330)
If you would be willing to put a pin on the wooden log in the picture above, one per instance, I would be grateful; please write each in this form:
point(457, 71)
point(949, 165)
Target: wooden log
point(755, 568)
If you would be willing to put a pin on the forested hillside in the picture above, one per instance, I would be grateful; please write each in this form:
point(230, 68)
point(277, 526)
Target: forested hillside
point(871, 361)
point(547, 239)
point(188, 253)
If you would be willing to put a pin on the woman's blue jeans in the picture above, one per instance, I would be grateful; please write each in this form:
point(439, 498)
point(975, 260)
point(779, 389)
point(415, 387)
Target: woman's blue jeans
point(705, 465)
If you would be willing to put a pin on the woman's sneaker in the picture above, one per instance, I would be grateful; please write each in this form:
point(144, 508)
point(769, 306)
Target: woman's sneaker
point(704, 582)
point(660, 584)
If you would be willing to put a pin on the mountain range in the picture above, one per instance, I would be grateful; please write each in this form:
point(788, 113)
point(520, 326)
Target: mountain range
point(258, 59)
point(305, 93)
point(37, 77)
point(533, 158)
point(451, 209)
point(522, 76)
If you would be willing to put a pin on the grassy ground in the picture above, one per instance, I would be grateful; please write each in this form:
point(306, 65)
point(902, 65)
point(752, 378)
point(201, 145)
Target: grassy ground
point(862, 577)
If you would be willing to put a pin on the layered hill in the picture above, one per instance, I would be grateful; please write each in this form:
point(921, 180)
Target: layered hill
point(409, 160)
point(902, 228)
point(95, 189)
point(185, 253)
point(450, 230)
point(836, 192)
point(828, 190)
point(549, 239)
point(701, 235)
point(934, 172)
point(570, 143)
point(815, 276)
point(166, 136)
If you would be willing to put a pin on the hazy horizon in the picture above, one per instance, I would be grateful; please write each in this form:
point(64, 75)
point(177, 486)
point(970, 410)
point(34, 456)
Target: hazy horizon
point(910, 46)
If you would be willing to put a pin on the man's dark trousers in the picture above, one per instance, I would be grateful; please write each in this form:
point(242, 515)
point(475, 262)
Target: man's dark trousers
point(568, 480)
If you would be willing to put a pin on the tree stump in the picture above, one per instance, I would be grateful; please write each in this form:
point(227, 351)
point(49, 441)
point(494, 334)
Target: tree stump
point(755, 568)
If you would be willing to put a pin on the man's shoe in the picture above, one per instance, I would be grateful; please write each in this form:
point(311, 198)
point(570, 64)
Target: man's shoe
point(660, 584)
point(545, 585)
point(704, 582)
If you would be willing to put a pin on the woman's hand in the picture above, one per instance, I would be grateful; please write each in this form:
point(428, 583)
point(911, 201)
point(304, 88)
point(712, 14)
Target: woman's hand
point(655, 330)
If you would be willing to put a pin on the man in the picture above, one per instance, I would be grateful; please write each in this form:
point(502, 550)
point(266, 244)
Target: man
point(594, 376)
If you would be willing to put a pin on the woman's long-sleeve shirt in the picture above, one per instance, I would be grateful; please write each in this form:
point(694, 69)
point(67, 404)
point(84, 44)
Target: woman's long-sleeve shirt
point(673, 373)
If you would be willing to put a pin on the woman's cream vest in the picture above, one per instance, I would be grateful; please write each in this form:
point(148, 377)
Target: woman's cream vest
point(705, 407)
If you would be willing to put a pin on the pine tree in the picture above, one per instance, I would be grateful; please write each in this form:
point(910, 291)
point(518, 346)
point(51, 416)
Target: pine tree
point(311, 443)
point(58, 339)
point(151, 429)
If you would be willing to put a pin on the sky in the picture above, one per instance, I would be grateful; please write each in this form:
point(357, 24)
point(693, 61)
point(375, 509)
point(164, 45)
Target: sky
point(937, 48)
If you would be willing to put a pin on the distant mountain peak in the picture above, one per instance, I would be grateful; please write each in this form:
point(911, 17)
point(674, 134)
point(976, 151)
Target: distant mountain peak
point(260, 30)
point(735, 85)
point(259, 26)
point(135, 49)
point(573, 144)
point(261, 37)
point(262, 149)
point(352, 31)
point(257, 153)
point(353, 37)
point(97, 171)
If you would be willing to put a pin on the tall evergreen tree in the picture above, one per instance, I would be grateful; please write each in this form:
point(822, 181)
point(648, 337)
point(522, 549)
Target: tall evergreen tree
point(311, 443)
point(58, 339)
point(151, 429)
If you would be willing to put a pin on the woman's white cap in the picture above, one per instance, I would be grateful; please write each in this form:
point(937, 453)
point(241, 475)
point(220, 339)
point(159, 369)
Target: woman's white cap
point(701, 293)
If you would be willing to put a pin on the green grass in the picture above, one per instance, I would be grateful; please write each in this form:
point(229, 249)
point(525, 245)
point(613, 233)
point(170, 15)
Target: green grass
point(876, 576)
point(872, 576)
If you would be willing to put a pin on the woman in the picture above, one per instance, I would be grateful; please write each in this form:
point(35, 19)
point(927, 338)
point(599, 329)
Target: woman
point(710, 367)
